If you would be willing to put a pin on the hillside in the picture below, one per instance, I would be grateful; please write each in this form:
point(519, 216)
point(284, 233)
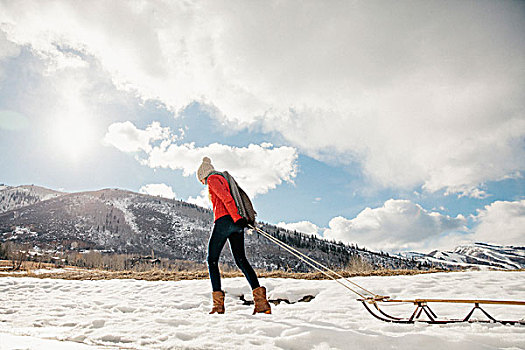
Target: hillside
point(481, 255)
point(21, 196)
point(119, 221)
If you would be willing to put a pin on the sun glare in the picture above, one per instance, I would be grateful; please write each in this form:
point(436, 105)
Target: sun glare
point(73, 136)
point(72, 128)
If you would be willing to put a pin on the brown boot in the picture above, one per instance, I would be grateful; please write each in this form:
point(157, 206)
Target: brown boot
point(218, 302)
point(261, 303)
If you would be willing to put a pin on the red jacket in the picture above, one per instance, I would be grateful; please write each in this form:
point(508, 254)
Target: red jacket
point(221, 199)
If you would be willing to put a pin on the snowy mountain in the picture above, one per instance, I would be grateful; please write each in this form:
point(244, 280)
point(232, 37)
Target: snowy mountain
point(476, 255)
point(126, 222)
point(21, 196)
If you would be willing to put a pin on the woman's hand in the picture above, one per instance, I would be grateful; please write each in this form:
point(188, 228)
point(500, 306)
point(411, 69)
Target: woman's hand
point(241, 222)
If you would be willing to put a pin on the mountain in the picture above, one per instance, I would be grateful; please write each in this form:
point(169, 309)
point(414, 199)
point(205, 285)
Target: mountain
point(119, 221)
point(476, 255)
point(21, 196)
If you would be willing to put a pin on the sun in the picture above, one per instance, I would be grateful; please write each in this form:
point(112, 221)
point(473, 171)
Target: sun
point(72, 126)
point(73, 136)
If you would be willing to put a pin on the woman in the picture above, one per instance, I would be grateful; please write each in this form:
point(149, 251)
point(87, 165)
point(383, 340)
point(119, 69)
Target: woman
point(229, 225)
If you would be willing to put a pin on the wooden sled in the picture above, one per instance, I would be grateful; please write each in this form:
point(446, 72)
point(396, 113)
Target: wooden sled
point(423, 312)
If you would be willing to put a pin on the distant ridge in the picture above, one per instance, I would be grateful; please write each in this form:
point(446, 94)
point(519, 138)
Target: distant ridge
point(120, 221)
point(482, 255)
point(21, 196)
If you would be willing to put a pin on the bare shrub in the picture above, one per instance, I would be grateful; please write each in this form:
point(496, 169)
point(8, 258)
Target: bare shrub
point(358, 265)
point(17, 257)
point(4, 251)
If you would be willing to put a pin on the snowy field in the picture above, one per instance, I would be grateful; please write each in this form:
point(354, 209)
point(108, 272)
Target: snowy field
point(131, 314)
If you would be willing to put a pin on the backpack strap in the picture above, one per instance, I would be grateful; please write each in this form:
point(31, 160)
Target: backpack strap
point(215, 173)
point(241, 199)
point(243, 202)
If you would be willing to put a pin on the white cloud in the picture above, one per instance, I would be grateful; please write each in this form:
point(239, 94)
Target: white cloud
point(8, 49)
point(501, 223)
point(127, 138)
point(419, 93)
point(161, 190)
point(201, 200)
point(472, 193)
point(399, 225)
point(257, 168)
point(302, 226)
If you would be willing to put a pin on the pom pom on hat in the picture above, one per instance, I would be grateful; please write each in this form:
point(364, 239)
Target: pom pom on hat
point(205, 169)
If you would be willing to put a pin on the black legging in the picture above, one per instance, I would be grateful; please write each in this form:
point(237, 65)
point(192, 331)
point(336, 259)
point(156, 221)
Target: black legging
point(226, 229)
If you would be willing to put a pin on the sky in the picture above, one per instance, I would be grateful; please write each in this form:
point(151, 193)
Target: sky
point(399, 126)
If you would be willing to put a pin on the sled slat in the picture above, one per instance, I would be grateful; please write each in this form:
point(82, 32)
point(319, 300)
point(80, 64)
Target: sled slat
point(457, 301)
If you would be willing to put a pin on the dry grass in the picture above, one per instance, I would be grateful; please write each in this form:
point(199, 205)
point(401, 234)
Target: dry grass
point(6, 265)
point(75, 273)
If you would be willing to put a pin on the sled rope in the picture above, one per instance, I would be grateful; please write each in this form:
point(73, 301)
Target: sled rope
point(311, 262)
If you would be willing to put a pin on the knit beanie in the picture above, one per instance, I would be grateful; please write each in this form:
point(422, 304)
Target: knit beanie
point(205, 169)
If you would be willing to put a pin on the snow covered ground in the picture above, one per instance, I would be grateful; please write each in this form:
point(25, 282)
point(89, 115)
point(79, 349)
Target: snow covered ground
point(131, 314)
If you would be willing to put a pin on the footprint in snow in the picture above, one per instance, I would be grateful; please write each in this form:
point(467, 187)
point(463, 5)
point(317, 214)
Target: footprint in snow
point(173, 322)
point(185, 336)
point(125, 309)
point(98, 323)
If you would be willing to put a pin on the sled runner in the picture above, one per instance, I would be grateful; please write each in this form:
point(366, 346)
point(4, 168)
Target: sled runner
point(422, 305)
point(422, 313)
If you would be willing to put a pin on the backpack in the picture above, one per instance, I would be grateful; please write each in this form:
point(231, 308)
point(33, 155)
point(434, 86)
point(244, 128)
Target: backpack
point(242, 201)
